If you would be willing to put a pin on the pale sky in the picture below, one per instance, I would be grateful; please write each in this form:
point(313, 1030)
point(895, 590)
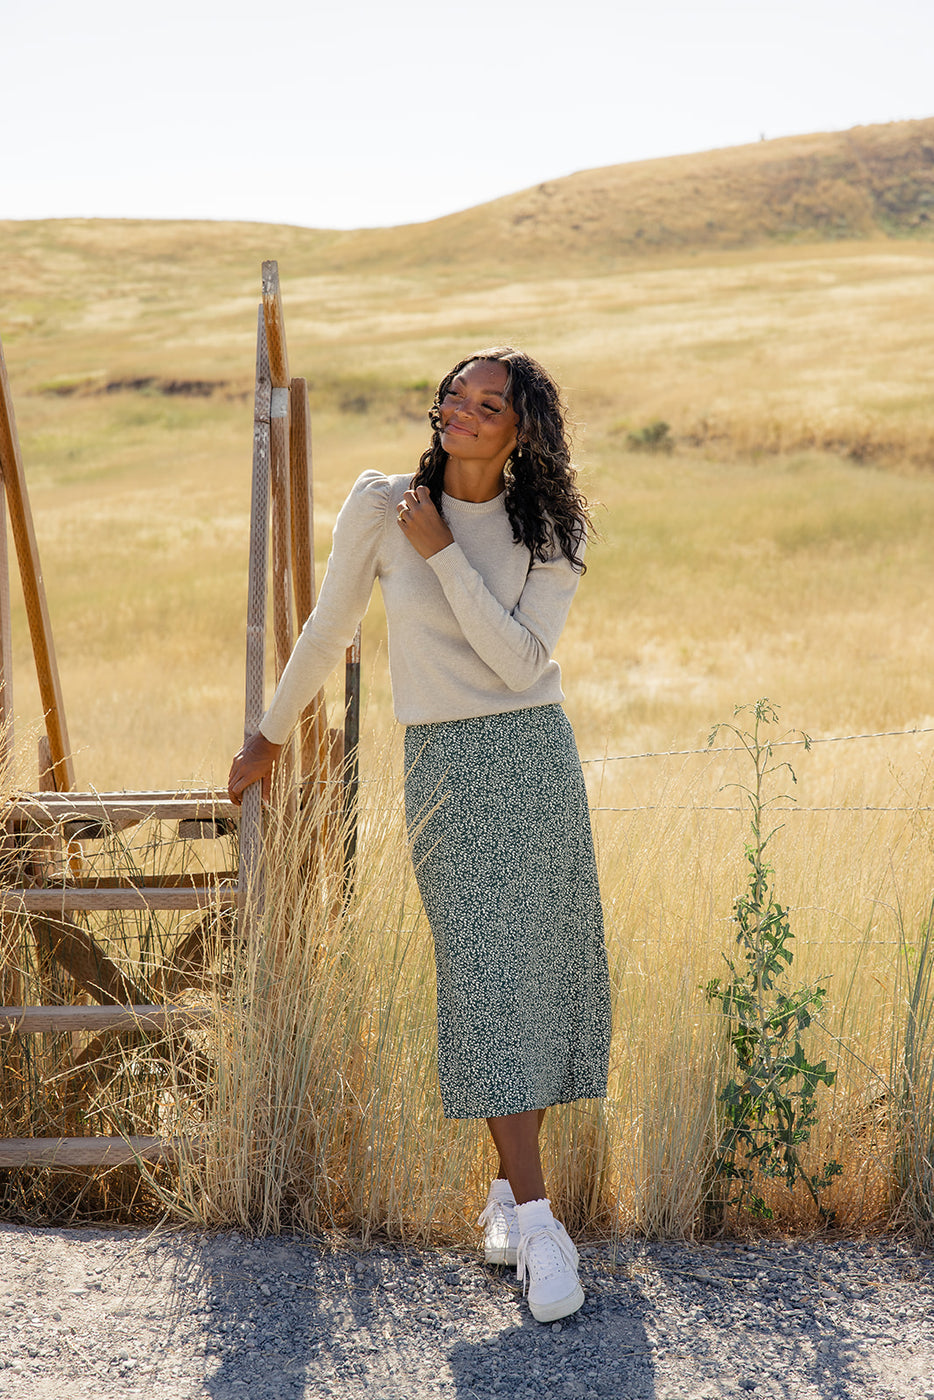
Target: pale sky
point(341, 115)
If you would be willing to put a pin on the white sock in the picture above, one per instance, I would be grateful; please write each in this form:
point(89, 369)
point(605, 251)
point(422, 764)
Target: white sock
point(533, 1214)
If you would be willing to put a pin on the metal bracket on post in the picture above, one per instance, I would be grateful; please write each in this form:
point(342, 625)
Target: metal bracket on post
point(251, 890)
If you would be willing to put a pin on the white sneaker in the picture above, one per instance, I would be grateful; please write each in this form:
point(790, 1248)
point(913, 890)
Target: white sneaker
point(500, 1226)
point(547, 1259)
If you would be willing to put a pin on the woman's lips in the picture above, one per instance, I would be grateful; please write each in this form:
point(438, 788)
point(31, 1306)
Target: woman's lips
point(453, 428)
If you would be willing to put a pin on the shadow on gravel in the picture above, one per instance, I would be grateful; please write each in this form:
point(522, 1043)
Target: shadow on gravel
point(280, 1319)
point(771, 1321)
point(602, 1351)
point(781, 1360)
point(264, 1323)
point(713, 1326)
point(286, 1320)
point(257, 1341)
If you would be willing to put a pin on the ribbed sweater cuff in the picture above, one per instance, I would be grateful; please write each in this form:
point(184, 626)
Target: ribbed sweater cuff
point(448, 562)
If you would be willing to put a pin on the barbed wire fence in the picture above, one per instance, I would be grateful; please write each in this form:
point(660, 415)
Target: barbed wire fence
point(739, 749)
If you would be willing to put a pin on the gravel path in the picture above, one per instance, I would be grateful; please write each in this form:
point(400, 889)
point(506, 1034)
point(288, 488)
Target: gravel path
point(107, 1314)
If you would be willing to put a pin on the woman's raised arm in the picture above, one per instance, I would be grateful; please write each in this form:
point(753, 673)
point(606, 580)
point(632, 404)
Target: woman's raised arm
point(342, 601)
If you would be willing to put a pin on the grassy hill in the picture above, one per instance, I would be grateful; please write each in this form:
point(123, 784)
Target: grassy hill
point(865, 183)
point(803, 242)
point(855, 184)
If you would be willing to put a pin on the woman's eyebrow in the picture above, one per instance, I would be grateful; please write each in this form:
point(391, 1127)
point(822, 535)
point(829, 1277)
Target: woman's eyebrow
point(458, 383)
point(485, 394)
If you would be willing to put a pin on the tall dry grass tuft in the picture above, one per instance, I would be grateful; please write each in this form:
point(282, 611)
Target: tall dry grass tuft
point(660, 872)
point(671, 869)
point(913, 1081)
point(323, 1113)
point(581, 1169)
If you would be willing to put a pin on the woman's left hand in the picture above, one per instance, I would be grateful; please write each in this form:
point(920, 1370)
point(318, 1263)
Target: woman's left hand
point(252, 763)
point(421, 524)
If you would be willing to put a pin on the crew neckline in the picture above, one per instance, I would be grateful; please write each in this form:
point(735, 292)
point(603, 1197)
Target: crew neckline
point(473, 507)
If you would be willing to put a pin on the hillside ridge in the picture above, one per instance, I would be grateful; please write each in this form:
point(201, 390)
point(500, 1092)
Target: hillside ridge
point(864, 183)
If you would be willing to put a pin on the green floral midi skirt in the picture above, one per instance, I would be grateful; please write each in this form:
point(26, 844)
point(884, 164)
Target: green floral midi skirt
point(503, 852)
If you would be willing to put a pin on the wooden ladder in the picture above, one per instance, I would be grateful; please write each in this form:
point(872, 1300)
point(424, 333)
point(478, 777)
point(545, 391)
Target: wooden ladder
point(59, 817)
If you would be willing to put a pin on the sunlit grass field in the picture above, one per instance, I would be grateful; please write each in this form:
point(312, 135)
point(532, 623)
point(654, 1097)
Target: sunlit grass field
point(725, 570)
point(782, 548)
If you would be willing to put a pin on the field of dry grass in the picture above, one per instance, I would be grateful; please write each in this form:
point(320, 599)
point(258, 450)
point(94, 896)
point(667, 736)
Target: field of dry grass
point(733, 558)
point(782, 548)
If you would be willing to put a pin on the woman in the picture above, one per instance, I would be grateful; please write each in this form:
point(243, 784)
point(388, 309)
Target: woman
point(478, 558)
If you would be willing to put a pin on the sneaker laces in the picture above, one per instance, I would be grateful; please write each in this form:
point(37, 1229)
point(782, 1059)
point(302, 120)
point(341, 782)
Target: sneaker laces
point(542, 1254)
point(495, 1212)
point(500, 1206)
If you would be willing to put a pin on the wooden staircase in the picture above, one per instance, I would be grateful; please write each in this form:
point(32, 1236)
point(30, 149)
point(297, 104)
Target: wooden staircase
point(41, 834)
point(37, 824)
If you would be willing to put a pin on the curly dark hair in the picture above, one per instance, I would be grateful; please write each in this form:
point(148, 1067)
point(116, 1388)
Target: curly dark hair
point(543, 504)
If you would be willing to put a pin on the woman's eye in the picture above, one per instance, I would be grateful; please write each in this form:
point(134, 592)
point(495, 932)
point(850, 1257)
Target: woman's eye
point(491, 408)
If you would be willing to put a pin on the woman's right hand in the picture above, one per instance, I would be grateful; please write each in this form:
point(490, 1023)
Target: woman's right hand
point(252, 763)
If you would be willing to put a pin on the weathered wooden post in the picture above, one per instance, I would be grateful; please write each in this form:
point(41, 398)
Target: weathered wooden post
point(351, 768)
point(314, 721)
point(6, 647)
point(11, 983)
point(279, 474)
point(27, 552)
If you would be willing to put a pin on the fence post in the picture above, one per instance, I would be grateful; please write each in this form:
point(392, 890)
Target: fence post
point(351, 765)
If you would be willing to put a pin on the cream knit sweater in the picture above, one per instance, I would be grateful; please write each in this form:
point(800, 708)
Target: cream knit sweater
point(471, 630)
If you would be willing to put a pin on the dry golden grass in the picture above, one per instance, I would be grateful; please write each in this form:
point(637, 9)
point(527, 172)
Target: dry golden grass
point(322, 1110)
point(729, 562)
point(325, 1112)
point(782, 549)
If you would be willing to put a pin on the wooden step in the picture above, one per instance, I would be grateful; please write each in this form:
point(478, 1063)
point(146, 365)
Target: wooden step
point(58, 899)
point(91, 815)
point(191, 880)
point(40, 1020)
point(67, 1153)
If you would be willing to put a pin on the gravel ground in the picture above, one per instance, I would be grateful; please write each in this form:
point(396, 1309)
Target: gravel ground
point(104, 1314)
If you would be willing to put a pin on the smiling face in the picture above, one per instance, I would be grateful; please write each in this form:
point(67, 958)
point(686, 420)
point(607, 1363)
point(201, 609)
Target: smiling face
point(478, 423)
